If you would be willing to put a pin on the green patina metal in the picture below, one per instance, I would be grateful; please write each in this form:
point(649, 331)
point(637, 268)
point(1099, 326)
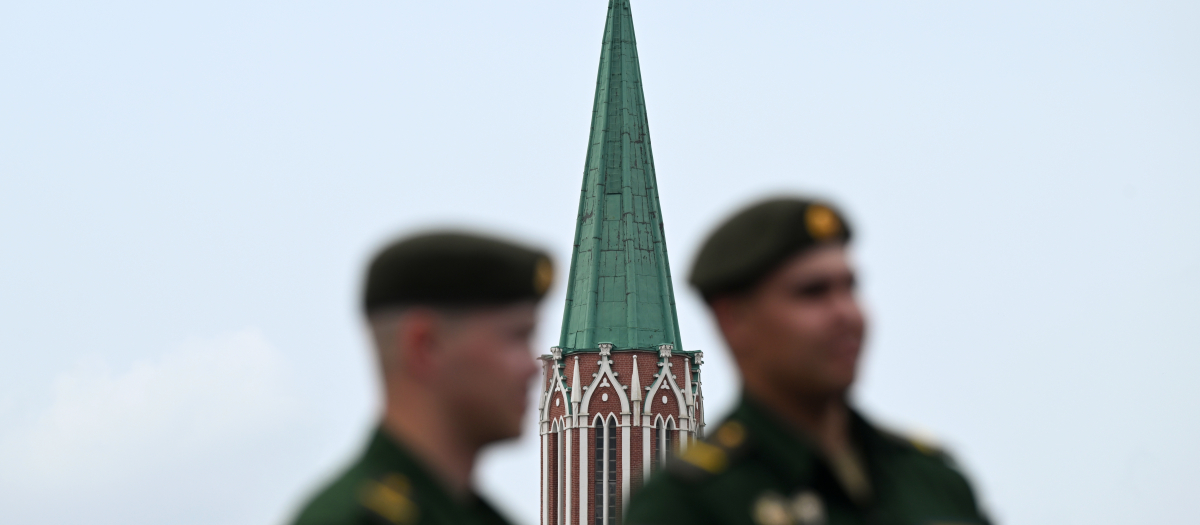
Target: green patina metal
point(619, 288)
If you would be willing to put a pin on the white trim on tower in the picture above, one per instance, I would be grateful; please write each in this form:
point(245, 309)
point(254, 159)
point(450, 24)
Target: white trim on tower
point(558, 486)
point(566, 483)
point(605, 371)
point(624, 460)
point(583, 473)
point(646, 453)
point(545, 479)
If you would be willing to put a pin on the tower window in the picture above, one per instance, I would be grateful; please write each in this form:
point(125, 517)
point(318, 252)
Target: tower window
point(598, 472)
point(606, 472)
point(555, 474)
point(561, 486)
point(665, 445)
point(611, 473)
point(654, 447)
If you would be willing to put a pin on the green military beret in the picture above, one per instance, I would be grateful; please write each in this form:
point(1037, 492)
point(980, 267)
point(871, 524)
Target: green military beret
point(455, 269)
point(755, 241)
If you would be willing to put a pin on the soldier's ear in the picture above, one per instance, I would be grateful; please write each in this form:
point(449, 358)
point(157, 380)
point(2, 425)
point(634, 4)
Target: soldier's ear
point(419, 339)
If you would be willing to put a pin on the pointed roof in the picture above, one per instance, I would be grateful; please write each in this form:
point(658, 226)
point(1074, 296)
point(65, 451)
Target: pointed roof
point(619, 287)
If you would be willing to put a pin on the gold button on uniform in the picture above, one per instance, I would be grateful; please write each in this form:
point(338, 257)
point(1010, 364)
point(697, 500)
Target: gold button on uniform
point(771, 509)
point(807, 508)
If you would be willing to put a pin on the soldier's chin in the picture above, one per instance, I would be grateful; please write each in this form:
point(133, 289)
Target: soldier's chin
point(842, 370)
point(832, 383)
point(843, 378)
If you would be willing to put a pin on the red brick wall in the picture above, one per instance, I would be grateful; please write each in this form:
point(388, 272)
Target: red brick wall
point(635, 458)
point(623, 366)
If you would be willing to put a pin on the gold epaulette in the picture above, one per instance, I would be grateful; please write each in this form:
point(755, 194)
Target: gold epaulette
point(714, 455)
point(390, 497)
point(920, 442)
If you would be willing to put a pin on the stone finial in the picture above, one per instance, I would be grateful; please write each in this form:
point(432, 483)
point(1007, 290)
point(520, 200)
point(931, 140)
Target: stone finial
point(576, 391)
point(699, 358)
point(556, 353)
point(687, 385)
point(664, 350)
point(636, 382)
point(606, 349)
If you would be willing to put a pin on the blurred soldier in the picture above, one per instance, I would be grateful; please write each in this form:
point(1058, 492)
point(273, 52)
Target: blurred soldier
point(781, 287)
point(452, 316)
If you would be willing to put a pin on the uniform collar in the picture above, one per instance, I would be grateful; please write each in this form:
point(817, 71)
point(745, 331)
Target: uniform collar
point(794, 456)
point(385, 450)
point(389, 453)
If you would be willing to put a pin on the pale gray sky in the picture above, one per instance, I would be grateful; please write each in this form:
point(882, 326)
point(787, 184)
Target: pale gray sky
point(189, 191)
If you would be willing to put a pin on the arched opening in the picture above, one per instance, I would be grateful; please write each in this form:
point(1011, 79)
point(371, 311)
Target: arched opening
point(554, 467)
point(605, 486)
point(563, 483)
point(656, 444)
point(666, 440)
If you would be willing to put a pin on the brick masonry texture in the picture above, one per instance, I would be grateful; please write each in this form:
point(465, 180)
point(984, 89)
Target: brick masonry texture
point(599, 409)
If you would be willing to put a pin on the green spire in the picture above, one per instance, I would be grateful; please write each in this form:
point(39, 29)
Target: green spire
point(619, 287)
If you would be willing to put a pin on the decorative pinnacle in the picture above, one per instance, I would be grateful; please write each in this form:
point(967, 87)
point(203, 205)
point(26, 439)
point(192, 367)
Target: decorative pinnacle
point(576, 392)
point(636, 382)
point(687, 385)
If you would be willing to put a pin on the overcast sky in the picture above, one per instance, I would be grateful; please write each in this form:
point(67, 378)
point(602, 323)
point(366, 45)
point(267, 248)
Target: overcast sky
point(189, 192)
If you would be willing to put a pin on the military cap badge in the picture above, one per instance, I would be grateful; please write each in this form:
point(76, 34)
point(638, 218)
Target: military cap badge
point(543, 275)
point(821, 222)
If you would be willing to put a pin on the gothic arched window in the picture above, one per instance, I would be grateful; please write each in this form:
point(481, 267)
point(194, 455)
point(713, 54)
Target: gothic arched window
point(665, 433)
point(606, 472)
point(657, 456)
point(561, 487)
point(670, 437)
point(554, 468)
point(611, 473)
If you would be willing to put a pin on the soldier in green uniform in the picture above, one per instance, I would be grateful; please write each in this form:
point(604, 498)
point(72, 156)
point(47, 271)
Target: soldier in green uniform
point(451, 315)
point(795, 452)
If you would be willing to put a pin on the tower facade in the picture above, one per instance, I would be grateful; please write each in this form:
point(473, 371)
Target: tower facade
point(619, 395)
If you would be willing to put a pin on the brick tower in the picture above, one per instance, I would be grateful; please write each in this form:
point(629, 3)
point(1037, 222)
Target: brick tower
point(619, 395)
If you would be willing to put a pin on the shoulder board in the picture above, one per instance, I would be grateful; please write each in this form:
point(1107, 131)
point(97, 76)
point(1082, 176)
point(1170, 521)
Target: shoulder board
point(922, 444)
point(389, 497)
point(712, 456)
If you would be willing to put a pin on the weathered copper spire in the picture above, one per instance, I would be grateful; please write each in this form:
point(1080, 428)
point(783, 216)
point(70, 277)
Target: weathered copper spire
point(619, 286)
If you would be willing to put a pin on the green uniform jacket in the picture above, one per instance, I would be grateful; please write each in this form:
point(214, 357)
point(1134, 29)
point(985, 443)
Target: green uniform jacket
point(754, 470)
point(387, 486)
